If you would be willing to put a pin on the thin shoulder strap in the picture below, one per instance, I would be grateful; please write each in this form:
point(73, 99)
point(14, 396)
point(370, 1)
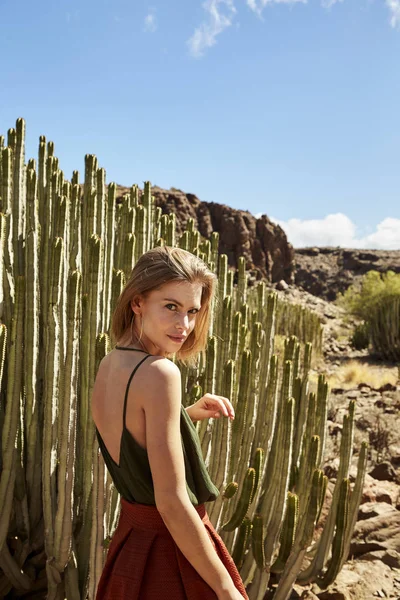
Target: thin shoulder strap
point(127, 387)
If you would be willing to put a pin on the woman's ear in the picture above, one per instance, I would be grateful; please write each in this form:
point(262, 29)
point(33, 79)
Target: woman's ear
point(136, 304)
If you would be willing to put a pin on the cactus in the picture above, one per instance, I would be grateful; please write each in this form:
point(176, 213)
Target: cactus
point(243, 502)
point(241, 542)
point(384, 327)
point(303, 537)
point(360, 337)
point(288, 533)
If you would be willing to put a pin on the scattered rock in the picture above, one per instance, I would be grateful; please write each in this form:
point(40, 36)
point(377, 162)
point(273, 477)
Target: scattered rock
point(334, 595)
point(308, 595)
point(395, 458)
point(383, 471)
point(373, 509)
point(373, 488)
point(361, 580)
point(380, 532)
point(363, 423)
point(389, 557)
point(282, 285)
point(365, 386)
point(388, 387)
point(380, 403)
point(335, 428)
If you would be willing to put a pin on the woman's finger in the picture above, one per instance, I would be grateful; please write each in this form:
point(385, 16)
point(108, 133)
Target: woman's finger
point(227, 406)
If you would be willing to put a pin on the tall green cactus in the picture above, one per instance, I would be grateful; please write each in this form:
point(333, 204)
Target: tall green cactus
point(384, 327)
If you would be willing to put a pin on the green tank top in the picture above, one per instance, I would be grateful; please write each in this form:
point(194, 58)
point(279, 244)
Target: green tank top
point(132, 476)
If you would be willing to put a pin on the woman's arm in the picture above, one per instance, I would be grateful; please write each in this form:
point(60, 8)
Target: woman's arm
point(210, 406)
point(189, 412)
point(162, 407)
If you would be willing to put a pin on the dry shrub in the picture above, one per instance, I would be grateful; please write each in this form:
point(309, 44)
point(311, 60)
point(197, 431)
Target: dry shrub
point(352, 373)
point(380, 438)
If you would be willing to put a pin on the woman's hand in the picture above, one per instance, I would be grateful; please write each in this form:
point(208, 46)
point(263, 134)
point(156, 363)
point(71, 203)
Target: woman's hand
point(210, 406)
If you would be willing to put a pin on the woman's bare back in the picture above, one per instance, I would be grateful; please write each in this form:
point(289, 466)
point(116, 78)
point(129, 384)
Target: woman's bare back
point(108, 399)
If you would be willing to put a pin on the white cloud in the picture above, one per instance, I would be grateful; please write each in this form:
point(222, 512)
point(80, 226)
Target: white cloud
point(150, 21)
point(394, 7)
point(258, 6)
point(204, 36)
point(329, 3)
point(338, 230)
point(387, 234)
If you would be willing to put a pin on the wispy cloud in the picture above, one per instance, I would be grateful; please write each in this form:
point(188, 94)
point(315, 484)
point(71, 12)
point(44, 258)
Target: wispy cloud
point(329, 3)
point(338, 230)
point(150, 21)
point(220, 15)
point(394, 8)
point(257, 6)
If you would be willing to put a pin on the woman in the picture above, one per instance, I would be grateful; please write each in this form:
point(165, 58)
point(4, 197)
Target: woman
point(165, 545)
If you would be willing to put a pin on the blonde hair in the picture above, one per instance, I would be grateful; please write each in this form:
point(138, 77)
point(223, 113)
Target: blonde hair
point(155, 268)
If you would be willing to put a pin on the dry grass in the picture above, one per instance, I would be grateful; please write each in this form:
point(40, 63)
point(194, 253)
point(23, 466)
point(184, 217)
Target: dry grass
point(347, 376)
point(353, 372)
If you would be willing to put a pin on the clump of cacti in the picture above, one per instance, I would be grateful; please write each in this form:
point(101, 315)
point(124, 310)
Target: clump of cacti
point(66, 258)
point(384, 323)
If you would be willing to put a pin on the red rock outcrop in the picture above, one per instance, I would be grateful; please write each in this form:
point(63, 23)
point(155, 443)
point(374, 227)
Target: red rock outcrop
point(264, 245)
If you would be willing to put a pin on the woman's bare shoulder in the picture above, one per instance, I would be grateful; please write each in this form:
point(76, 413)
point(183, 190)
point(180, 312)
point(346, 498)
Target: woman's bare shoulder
point(155, 366)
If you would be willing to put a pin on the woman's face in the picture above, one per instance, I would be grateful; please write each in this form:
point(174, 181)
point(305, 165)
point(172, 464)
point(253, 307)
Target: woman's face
point(170, 311)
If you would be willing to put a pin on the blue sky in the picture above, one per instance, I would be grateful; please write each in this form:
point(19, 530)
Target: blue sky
point(284, 108)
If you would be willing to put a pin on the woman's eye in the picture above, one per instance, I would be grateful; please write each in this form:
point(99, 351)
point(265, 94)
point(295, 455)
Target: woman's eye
point(167, 305)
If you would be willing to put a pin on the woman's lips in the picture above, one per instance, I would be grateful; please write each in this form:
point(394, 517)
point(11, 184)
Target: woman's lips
point(176, 339)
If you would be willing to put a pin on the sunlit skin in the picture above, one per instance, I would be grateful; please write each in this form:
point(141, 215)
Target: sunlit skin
point(157, 318)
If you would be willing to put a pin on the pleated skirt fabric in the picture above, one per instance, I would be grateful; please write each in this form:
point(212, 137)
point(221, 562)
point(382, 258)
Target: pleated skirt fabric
point(144, 562)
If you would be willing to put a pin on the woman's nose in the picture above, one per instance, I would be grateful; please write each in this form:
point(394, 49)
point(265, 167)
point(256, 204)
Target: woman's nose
point(183, 320)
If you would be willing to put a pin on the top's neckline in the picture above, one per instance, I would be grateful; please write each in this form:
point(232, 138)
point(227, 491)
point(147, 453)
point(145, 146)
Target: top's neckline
point(125, 348)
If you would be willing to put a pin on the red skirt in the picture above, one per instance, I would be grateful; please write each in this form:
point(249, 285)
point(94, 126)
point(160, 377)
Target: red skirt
point(144, 563)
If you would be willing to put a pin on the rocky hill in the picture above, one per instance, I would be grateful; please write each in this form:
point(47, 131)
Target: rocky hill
point(322, 272)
